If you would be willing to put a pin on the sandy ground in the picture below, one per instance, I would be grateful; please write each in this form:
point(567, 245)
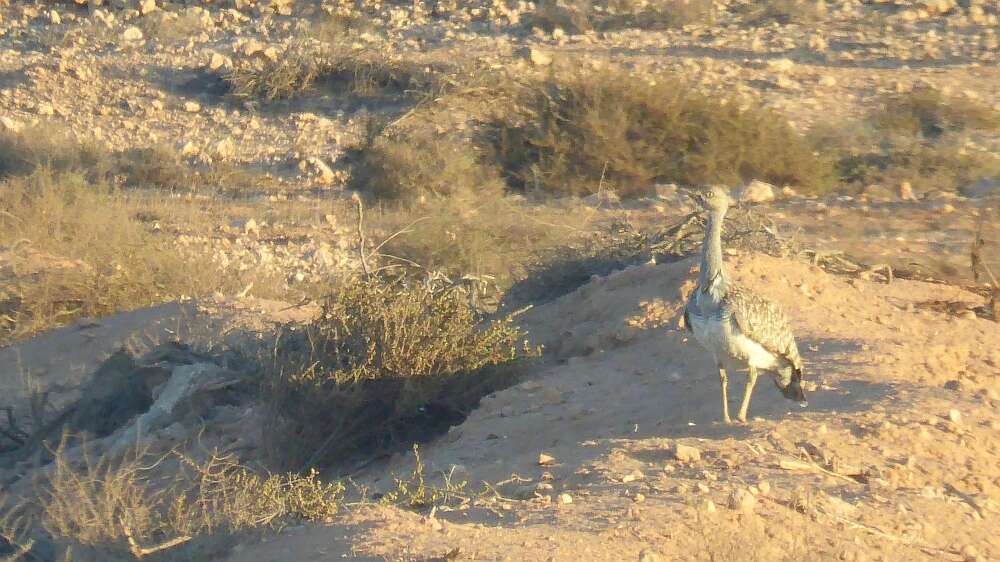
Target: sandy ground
point(905, 399)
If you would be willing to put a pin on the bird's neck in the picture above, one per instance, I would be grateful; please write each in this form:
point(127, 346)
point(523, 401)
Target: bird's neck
point(712, 276)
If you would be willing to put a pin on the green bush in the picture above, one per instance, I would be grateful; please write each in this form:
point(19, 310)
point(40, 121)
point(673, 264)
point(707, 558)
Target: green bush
point(581, 132)
point(385, 364)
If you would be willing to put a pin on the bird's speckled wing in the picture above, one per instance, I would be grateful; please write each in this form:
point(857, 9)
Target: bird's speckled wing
point(763, 322)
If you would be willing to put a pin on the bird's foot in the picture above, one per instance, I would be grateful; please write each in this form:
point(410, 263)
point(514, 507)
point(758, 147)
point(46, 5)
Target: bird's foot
point(742, 419)
point(727, 420)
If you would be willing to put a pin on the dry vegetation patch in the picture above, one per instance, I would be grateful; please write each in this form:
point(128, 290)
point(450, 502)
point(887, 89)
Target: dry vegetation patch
point(364, 71)
point(582, 132)
point(918, 137)
point(386, 363)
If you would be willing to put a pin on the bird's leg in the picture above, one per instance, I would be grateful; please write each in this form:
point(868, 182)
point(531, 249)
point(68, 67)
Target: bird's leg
point(742, 416)
point(724, 382)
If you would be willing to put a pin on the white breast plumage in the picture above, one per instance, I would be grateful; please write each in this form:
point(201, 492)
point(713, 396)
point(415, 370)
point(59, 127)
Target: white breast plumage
point(711, 334)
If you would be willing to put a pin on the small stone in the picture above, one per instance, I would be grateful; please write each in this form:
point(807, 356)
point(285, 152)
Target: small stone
point(710, 506)
point(687, 453)
point(764, 486)
point(954, 416)
point(250, 226)
point(218, 61)
point(827, 81)
point(649, 556)
point(192, 106)
point(147, 6)
point(54, 17)
point(757, 192)
point(702, 487)
point(743, 501)
point(906, 192)
point(539, 57)
point(189, 149)
point(545, 459)
point(633, 476)
point(565, 499)
point(639, 498)
point(132, 34)
point(225, 149)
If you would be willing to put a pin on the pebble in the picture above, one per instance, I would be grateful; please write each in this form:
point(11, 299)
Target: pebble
point(565, 499)
point(743, 501)
point(545, 459)
point(687, 453)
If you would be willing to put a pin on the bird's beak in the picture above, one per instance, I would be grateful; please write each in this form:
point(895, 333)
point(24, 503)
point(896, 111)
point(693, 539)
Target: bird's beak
point(691, 194)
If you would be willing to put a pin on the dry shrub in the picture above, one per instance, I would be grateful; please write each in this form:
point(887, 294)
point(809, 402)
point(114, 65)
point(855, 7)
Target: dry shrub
point(76, 250)
point(385, 364)
point(584, 131)
point(929, 113)
point(917, 137)
point(339, 67)
point(104, 502)
point(52, 148)
point(410, 166)
point(580, 16)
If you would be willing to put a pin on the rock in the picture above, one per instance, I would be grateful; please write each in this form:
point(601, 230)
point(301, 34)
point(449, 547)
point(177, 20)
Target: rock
point(743, 501)
point(757, 192)
point(189, 149)
point(788, 192)
point(539, 57)
point(709, 506)
point(982, 188)
point(954, 416)
point(545, 459)
point(132, 34)
point(633, 476)
point(147, 6)
point(565, 499)
point(764, 486)
point(250, 226)
point(46, 109)
point(192, 106)
point(649, 556)
point(225, 149)
point(218, 61)
point(9, 124)
point(687, 453)
point(54, 17)
point(780, 65)
point(827, 81)
point(906, 192)
point(316, 167)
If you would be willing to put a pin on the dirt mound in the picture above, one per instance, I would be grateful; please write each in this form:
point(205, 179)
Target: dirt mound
point(626, 387)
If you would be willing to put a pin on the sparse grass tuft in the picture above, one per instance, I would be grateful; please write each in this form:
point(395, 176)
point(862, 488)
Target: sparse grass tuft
point(137, 501)
point(340, 67)
point(929, 113)
point(74, 250)
point(385, 364)
point(918, 137)
point(586, 131)
point(22, 153)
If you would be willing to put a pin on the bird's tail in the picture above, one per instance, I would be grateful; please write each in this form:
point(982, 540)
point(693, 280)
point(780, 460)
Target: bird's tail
point(792, 389)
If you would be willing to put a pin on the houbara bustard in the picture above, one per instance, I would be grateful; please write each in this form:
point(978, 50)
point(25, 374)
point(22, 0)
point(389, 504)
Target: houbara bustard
point(738, 327)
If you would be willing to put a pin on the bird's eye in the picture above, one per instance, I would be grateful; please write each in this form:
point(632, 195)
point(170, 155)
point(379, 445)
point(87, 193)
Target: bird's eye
point(709, 195)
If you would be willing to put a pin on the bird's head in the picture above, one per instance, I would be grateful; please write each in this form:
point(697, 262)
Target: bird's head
point(715, 198)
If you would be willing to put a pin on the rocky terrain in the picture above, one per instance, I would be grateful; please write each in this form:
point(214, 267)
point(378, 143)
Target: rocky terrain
point(608, 447)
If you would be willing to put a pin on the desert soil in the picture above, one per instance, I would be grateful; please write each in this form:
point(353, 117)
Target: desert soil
point(612, 449)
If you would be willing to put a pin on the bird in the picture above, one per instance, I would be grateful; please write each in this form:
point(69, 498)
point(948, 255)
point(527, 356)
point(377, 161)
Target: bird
point(738, 327)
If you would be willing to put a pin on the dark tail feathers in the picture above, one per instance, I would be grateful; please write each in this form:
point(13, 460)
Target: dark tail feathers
point(793, 390)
